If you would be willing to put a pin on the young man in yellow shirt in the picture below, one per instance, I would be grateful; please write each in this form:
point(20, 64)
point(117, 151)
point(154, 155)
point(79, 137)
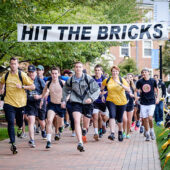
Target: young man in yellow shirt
point(15, 83)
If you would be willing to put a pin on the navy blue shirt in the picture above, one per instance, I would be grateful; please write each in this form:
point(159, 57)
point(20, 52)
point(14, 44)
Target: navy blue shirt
point(147, 95)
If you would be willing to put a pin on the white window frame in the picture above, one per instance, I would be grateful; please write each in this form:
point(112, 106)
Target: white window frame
point(120, 50)
point(143, 49)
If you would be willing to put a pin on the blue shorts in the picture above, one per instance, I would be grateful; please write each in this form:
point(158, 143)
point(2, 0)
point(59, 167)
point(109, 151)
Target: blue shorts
point(57, 109)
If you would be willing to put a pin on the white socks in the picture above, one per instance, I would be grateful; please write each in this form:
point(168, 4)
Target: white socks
point(49, 137)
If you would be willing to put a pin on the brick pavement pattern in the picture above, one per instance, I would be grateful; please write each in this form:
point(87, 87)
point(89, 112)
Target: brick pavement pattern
point(131, 154)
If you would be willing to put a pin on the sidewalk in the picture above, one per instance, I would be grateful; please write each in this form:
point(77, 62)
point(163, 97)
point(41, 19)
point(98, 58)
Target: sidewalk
point(131, 154)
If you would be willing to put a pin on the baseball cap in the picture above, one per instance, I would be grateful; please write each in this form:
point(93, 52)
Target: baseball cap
point(31, 68)
point(40, 67)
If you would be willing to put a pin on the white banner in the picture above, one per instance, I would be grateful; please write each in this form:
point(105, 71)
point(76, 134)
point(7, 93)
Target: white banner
point(89, 33)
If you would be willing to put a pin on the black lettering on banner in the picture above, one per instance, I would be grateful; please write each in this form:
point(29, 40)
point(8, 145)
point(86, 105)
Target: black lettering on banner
point(145, 31)
point(130, 32)
point(46, 28)
point(84, 32)
point(24, 32)
point(124, 31)
point(114, 30)
point(71, 32)
point(62, 31)
point(36, 33)
point(158, 31)
point(102, 30)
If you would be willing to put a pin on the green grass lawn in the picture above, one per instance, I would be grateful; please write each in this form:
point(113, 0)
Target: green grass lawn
point(160, 141)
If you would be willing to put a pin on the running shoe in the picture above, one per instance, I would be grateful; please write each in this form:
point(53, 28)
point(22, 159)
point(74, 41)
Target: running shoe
point(32, 143)
point(57, 137)
point(136, 128)
point(147, 137)
point(80, 147)
point(13, 149)
point(61, 129)
point(96, 137)
point(141, 129)
point(23, 135)
point(120, 136)
point(19, 132)
point(152, 135)
point(84, 138)
point(100, 134)
point(111, 136)
point(73, 134)
point(67, 125)
point(127, 136)
point(37, 130)
point(124, 135)
point(48, 145)
point(133, 124)
point(138, 123)
point(144, 133)
point(43, 134)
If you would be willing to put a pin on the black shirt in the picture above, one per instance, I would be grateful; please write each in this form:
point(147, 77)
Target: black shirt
point(147, 96)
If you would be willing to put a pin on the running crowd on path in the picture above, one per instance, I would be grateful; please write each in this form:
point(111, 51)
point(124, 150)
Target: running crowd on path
point(79, 100)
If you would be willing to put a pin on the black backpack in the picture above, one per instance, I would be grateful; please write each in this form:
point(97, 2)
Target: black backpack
point(120, 78)
point(88, 88)
point(60, 82)
point(6, 76)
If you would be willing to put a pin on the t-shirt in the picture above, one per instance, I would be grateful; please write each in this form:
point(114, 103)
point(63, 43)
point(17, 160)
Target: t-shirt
point(99, 82)
point(14, 96)
point(39, 86)
point(116, 93)
point(147, 96)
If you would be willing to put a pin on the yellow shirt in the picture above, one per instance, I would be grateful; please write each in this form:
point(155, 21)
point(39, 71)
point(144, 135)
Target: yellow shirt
point(14, 96)
point(116, 93)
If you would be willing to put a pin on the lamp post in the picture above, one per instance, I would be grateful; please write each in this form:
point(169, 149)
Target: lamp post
point(160, 61)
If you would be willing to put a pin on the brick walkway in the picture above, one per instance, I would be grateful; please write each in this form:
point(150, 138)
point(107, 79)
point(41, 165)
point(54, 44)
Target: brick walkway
point(134, 153)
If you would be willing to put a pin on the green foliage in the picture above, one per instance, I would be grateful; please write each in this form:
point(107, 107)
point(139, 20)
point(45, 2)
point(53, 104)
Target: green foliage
point(128, 66)
point(166, 58)
point(160, 141)
point(59, 12)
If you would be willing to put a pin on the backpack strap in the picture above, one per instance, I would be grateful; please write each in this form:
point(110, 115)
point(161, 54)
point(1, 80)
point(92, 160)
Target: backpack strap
point(120, 79)
point(48, 85)
point(20, 77)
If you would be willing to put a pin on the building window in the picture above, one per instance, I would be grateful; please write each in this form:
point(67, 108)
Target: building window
point(125, 49)
point(147, 49)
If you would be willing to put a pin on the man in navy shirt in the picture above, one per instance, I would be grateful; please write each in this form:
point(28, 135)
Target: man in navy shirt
point(147, 87)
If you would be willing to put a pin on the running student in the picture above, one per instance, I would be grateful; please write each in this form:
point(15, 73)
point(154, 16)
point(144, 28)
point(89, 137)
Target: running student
point(116, 101)
point(54, 89)
point(99, 106)
point(15, 83)
point(147, 87)
point(83, 92)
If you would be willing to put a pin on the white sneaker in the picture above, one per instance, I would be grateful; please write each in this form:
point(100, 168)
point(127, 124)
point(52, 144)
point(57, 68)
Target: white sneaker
point(152, 135)
point(73, 134)
point(147, 137)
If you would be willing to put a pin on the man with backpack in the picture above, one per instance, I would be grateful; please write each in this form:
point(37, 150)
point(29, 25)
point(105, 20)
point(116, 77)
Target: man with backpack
point(14, 84)
point(83, 91)
point(33, 102)
point(54, 89)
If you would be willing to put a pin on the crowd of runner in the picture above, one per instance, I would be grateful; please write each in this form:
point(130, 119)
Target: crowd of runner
point(79, 100)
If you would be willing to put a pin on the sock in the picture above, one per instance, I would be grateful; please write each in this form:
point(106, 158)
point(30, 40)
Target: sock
point(49, 137)
point(147, 132)
point(96, 130)
point(151, 130)
point(104, 123)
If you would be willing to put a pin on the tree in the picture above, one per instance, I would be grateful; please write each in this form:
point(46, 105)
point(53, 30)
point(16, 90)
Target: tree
point(166, 58)
point(128, 66)
point(59, 12)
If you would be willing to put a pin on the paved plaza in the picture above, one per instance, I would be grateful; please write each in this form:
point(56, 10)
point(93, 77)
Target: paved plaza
point(131, 154)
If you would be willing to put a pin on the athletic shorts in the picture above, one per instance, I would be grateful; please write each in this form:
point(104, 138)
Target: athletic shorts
point(129, 108)
point(99, 107)
point(85, 109)
point(57, 109)
point(116, 111)
point(31, 109)
point(147, 110)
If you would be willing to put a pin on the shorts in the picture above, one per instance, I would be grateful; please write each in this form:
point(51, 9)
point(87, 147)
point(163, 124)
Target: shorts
point(99, 107)
point(31, 109)
point(129, 108)
point(147, 110)
point(57, 109)
point(42, 114)
point(85, 109)
point(116, 111)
